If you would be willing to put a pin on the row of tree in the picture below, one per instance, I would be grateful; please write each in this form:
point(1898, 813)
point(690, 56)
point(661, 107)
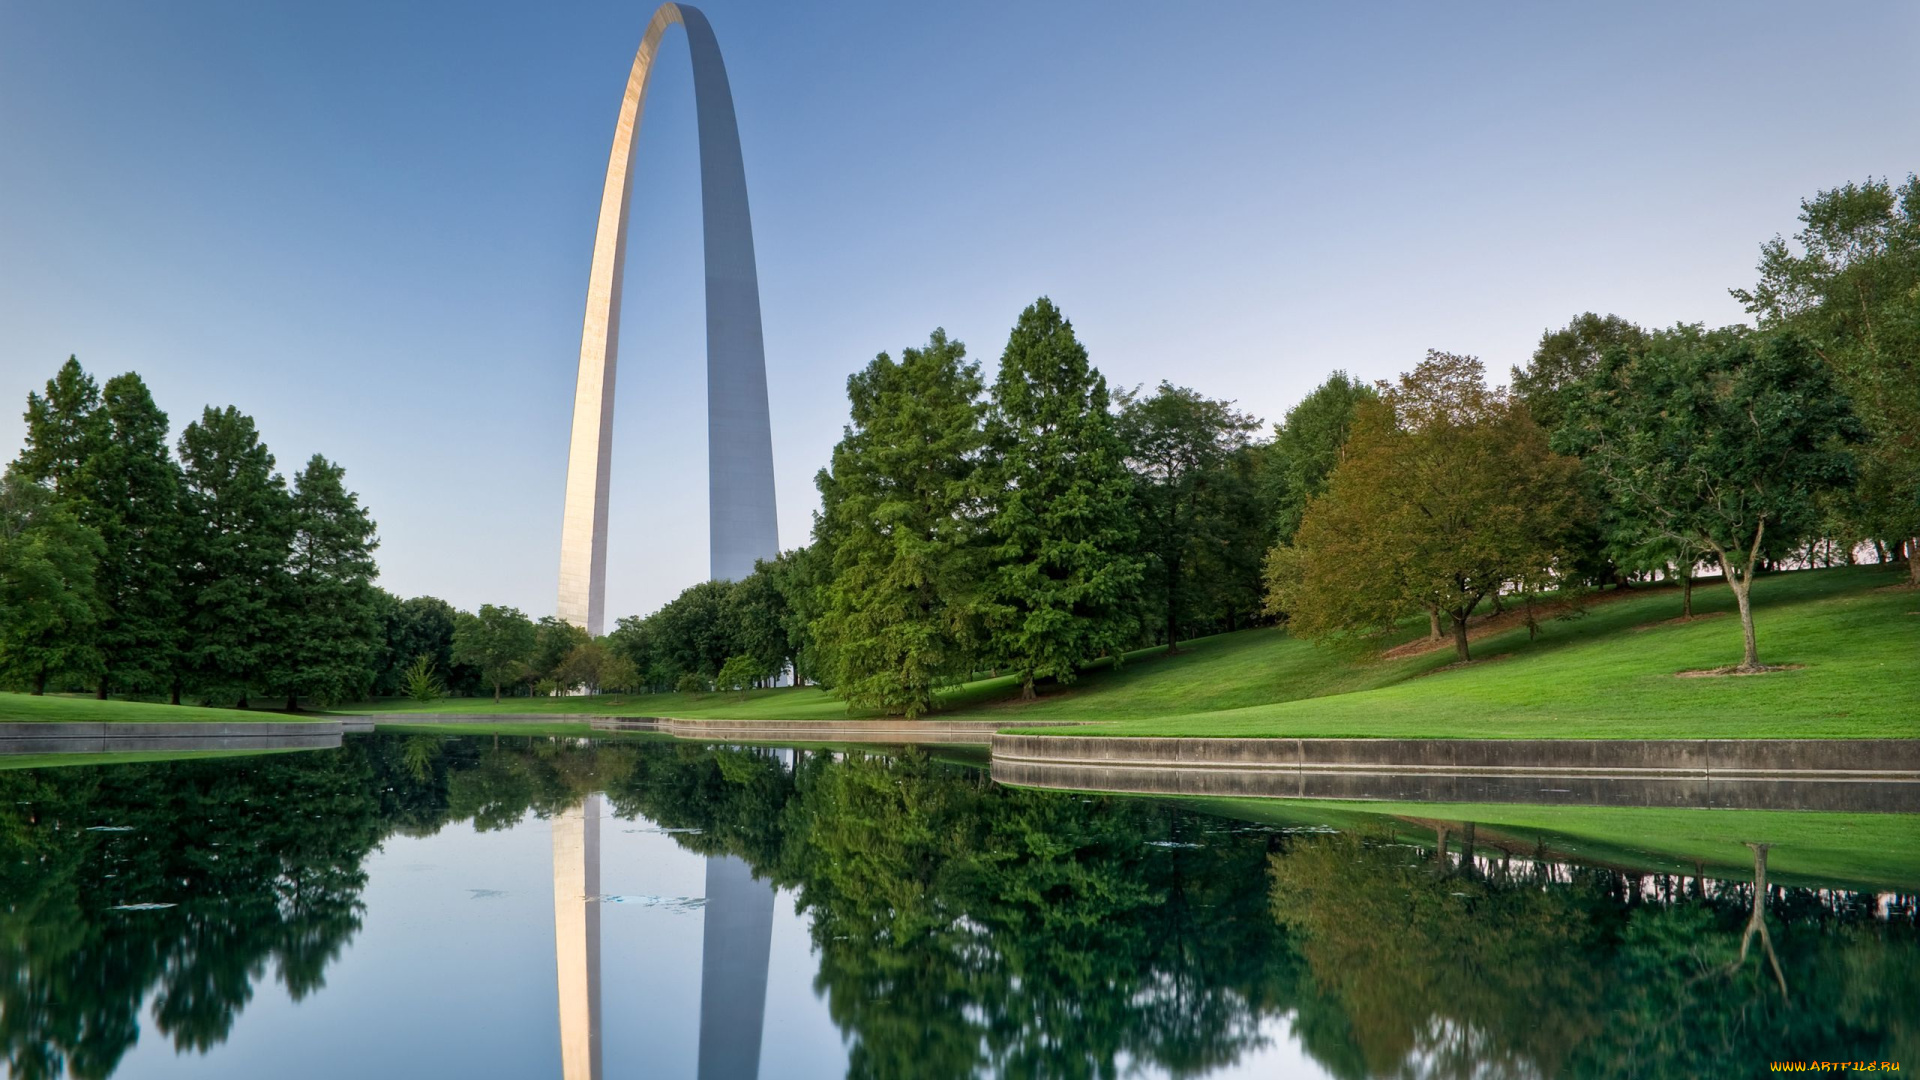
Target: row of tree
point(1625, 452)
point(127, 569)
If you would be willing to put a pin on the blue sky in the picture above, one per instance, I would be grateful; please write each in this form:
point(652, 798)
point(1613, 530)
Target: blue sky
point(368, 224)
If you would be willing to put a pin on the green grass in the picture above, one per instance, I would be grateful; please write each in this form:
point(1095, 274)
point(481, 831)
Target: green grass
point(1878, 851)
point(1608, 673)
point(63, 708)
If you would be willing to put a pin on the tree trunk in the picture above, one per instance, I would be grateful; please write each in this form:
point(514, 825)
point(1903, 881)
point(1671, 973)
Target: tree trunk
point(40, 682)
point(1913, 563)
point(1460, 634)
point(1026, 688)
point(175, 698)
point(293, 702)
point(1742, 595)
point(1686, 594)
point(1498, 607)
point(1433, 622)
point(100, 692)
point(496, 693)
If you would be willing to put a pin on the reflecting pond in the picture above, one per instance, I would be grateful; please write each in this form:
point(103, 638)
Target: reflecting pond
point(513, 907)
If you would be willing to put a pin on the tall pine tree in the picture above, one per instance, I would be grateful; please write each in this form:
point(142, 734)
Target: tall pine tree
point(329, 617)
point(239, 522)
point(130, 493)
point(1063, 575)
point(62, 429)
point(899, 527)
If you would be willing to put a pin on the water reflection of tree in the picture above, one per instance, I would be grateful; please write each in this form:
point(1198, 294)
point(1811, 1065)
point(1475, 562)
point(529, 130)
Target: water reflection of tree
point(964, 927)
point(260, 862)
point(1450, 974)
point(961, 928)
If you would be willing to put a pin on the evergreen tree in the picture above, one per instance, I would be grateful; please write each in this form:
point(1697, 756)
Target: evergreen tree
point(329, 610)
point(47, 606)
point(62, 428)
point(239, 522)
point(1062, 532)
point(130, 494)
point(899, 528)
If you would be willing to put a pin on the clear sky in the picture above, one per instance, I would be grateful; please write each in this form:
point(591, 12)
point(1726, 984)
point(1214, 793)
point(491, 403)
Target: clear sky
point(368, 224)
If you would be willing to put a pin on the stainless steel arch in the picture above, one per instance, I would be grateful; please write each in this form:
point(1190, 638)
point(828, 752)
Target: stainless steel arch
point(739, 435)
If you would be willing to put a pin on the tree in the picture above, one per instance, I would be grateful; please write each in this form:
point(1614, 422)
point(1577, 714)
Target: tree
point(585, 667)
point(1182, 449)
point(421, 625)
point(239, 525)
point(899, 526)
point(1723, 440)
point(499, 641)
point(699, 629)
point(800, 576)
point(1448, 492)
point(1306, 446)
point(740, 673)
point(420, 681)
point(330, 611)
point(555, 639)
point(1566, 356)
point(1060, 527)
point(762, 620)
point(1853, 291)
point(62, 429)
point(47, 606)
point(129, 491)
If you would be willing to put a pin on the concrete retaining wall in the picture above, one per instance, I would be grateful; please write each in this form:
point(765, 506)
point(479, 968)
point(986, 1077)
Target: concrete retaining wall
point(894, 732)
point(1893, 759)
point(100, 738)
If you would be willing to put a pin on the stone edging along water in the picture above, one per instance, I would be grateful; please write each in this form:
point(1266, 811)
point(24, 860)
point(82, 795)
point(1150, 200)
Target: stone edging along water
point(1862, 759)
point(36, 737)
point(1856, 776)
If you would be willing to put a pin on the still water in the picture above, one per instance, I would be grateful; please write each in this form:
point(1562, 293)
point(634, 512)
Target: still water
point(420, 906)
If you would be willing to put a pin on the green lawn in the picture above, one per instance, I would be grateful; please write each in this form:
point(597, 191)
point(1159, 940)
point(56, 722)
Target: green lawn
point(86, 709)
point(1608, 673)
point(1877, 851)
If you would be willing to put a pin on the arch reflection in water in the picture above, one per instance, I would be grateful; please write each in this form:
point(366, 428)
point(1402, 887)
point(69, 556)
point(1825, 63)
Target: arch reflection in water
point(736, 941)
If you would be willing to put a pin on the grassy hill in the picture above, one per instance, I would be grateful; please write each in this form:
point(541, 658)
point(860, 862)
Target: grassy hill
point(1607, 669)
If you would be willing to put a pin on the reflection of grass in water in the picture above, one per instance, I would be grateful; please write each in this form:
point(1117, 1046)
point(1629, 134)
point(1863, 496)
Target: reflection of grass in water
point(132, 757)
point(1809, 848)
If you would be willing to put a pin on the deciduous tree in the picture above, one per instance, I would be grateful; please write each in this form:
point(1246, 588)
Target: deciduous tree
point(1306, 446)
point(1724, 441)
point(1447, 493)
point(1182, 449)
point(1852, 289)
point(498, 641)
point(47, 607)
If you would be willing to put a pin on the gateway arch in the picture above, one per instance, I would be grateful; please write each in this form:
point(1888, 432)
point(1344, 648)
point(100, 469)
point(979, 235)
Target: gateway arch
point(739, 437)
